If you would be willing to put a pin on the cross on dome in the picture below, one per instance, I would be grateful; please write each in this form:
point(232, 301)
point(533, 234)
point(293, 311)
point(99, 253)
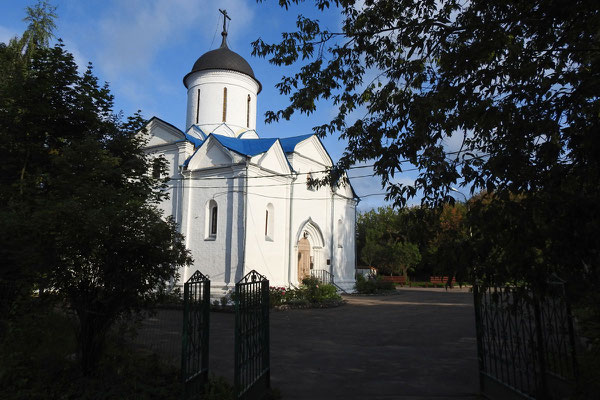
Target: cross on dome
point(224, 33)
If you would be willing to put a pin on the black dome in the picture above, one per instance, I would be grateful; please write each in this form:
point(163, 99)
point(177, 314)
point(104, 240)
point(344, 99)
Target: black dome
point(223, 58)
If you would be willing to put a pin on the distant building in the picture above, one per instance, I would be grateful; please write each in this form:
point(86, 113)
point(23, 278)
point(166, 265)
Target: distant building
point(241, 201)
point(366, 271)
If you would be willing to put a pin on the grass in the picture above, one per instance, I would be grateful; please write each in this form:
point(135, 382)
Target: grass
point(38, 361)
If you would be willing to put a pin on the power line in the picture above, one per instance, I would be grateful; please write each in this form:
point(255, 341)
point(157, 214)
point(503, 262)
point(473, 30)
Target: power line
point(285, 198)
point(281, 184)
point(315, 172)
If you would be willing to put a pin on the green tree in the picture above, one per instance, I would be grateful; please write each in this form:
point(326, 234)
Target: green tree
point(383, 242)
point(78, 209)
point(450, 246)
point(515, 81)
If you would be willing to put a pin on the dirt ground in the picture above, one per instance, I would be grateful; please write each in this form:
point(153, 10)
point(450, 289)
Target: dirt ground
point(418, 344)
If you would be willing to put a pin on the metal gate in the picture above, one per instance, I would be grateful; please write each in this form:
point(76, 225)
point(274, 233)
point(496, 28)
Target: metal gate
point(194, 355)
point(525, 343)
point(252, 363)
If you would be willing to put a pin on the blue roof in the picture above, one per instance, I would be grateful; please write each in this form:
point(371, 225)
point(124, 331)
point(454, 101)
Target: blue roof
point(289, 144)
point(247, 147)
point(195, 141)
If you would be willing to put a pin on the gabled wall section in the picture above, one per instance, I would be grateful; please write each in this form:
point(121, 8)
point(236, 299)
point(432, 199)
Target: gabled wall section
point(273, 160)
point(162, 133)
point(212, 154)
point(312, 149)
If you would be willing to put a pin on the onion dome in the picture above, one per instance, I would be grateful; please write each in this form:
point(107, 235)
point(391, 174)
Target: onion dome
point(225, 59)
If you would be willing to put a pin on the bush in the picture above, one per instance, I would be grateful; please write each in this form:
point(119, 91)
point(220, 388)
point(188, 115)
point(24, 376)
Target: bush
point(311, 291)
point(372, 285)
point(276, 295)
point(319, 292)
point(39, 362)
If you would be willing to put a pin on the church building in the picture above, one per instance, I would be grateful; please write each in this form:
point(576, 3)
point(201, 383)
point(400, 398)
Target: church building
point(244, 202)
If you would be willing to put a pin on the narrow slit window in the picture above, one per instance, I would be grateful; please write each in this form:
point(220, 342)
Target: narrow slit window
point(248, 112)
point(156, 168)
point(269, 223)
point(224, 104)
point(266, 222)
point(213, 221)
point(198, 107)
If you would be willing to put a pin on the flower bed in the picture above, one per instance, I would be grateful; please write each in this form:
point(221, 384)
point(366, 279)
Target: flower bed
point(312, 293)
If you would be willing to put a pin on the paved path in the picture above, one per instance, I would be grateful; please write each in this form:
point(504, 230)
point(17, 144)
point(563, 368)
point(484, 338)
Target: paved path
point(419, 344)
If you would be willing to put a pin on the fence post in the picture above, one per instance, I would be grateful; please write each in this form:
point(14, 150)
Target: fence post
point(194, 353)
point(252, 370)
point(542, 384)
point(478, 334)
point(571, 332)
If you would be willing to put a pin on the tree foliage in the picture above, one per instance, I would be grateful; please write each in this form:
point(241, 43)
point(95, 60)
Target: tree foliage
point(421, 241)
point(518, 84)
point(78, 209)
point(383, 242)
point(450, 246)
point(515, 79)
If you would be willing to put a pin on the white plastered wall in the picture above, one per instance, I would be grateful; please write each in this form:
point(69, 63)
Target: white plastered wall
point(215, 174)
point(266, 249)
point(311, 207)
point(210, 85)
point(168, 142)
point(323, 209)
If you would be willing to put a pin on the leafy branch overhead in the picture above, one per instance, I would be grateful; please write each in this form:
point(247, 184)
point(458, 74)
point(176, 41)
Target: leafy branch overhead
point(516, 82)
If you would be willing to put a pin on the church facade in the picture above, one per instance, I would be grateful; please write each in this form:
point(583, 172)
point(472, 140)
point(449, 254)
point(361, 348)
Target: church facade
point(244, 202)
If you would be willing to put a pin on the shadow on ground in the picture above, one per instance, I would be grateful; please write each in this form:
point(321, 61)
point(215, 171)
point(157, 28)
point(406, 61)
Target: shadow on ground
point(418, 344)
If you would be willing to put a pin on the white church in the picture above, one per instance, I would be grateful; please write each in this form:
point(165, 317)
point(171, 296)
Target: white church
point(243, 202)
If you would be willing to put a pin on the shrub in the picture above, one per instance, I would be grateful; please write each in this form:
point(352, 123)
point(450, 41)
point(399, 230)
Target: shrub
point(311, 291)
point(372, 285)
point(319, 292)
point(365, 286)
point(39, 362)
point(276, 295)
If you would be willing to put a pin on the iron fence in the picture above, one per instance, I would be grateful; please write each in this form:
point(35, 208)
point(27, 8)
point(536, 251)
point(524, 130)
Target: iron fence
point(156, 331)
point(194, 354)
point(252, 359)
point(526, 342)
point(322, 275)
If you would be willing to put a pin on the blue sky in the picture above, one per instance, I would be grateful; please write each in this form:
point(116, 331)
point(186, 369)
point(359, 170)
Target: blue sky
point(144, 48)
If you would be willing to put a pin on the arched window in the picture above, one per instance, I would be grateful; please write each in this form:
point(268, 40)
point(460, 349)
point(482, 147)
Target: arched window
point(198, 107)
point(156, 168)
point(248, 112)
point(224, 104)
point(212, 213)
point(309, 179)
point(269, 222)
point(340, 233)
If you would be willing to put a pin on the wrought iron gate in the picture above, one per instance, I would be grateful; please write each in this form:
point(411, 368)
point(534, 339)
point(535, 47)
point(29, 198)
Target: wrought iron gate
point(525, 343)
point(194, 355)
point(252, 363)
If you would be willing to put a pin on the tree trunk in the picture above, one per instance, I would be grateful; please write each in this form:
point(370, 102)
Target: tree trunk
point(93, 327)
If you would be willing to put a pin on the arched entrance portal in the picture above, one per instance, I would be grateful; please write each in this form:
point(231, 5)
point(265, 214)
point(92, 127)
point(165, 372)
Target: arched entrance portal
point(303, 259)
point(310, 249)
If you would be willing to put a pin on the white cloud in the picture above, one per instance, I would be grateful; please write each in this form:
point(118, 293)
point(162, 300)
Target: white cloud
point(6, 34)
point(81, 60)
point(454, 142)
point(368, 187)
point(134, 32)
